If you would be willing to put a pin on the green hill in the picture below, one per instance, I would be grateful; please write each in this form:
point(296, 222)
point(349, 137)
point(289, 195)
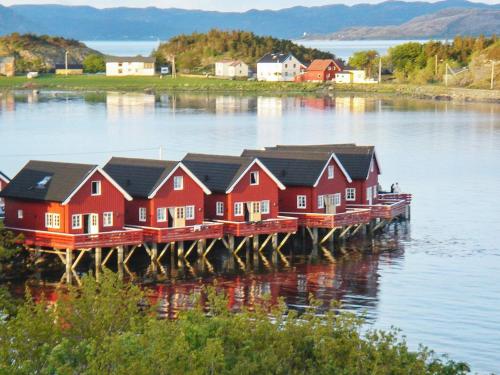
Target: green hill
point(198, 52)
point(41, 53)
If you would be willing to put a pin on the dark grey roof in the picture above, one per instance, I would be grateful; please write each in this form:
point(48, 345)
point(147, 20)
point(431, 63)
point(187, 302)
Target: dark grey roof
point(295, 168)
point(123, 59)
point(139, 177)
point(62, 179)
point(70, 66)
point(217, 172)
point(355, 159)
point(274, 57)
point(4, 176)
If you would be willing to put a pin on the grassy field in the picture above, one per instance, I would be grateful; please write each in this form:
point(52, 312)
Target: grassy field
point(202, 84)
point(103, 83)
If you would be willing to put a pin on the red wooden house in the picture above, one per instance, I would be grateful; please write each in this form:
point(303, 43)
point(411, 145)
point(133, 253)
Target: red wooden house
point(168, 199)
point(315, 186)
point(320, 70)
point(244, 194)
point(70, 206)
point(4, 180)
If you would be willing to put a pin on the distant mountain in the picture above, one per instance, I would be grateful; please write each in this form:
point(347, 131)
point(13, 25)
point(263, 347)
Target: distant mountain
point(87, 23)
point(443, 24)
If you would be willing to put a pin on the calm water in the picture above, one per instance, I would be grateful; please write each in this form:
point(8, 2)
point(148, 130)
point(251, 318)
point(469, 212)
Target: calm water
point(441, 283)
point(341, 48)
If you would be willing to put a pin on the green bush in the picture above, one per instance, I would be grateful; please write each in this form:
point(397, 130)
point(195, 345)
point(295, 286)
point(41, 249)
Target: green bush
point(94, 64)
point(104, 328)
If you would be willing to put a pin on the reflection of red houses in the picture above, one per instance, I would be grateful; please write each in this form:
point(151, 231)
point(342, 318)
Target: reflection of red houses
point(318, 103)
point(320, 71)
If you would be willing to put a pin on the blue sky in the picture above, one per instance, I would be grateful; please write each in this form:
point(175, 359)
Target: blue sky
point(222, 5)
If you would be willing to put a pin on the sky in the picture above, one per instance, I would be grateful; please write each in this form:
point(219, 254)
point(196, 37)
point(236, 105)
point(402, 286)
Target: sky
point(220, 5)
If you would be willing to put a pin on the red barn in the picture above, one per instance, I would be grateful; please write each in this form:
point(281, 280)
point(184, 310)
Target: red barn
point(244, 192)
point(169, 200)
point(4, 180)
point(321, 71)
point(315, 186)
point(69, 206)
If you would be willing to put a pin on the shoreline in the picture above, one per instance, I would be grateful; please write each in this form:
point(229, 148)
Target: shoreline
point(100, 83)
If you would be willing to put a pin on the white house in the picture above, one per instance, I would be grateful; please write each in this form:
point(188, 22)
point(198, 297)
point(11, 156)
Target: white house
point(120, 66)
point(353, 76)
point(278, 67)
point(231, 68)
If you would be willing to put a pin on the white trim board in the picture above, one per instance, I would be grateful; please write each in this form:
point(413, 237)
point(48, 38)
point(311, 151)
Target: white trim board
point(339, 164)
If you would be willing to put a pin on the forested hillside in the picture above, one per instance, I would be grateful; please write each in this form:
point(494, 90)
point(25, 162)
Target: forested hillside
point(197, 52)
point(40, 53)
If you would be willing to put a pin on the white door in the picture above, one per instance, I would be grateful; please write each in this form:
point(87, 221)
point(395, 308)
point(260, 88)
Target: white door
point(93, 223)
point(369, 196)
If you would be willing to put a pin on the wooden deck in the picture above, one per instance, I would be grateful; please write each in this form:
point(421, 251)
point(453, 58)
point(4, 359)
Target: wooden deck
point(317, 220)
point(388, 206)
point(56, 240)
point(281, 224)
point(207, 230)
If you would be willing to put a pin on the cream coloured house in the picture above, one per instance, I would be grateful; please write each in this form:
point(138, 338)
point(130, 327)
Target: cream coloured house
point(278, 67)
point(353, 76)
point(120, 66)
point(231, 69)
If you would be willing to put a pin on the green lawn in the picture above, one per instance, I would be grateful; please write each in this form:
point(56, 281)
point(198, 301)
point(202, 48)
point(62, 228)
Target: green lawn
point(100, 82)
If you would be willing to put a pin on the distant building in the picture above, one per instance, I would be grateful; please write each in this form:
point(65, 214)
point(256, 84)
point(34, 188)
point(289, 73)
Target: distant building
point(4, 180)
point(73, 69)
point(278, 67)
point(350, 75)
point(231, 69)
point(7, 66)
point(320, 71)
point(130, 66)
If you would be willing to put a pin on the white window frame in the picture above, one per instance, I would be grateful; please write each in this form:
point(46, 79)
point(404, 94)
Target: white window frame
point(190, 213)
point(178, 182)
point(331, 172)
point(142, 214)
point(161, 214)
point(76, 221)
point(99, 190)
point(48, 220)
point(265, 207)
point(219, 208)
point(180, 212)
point(107, 219)
point(238, 209)
point(374, 189)
point(20, 214)
point(337, 199)
point(256, 178)
point(52, 220)
point(321, 201)
point(301, 201)
point(350, 194)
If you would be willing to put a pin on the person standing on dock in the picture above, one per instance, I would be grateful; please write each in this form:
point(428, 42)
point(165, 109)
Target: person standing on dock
point(393, 188)
point(397, 189)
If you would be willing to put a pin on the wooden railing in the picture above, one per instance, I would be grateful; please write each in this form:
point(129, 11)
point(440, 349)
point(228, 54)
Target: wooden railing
point(281, 224)
point(80, 241)
point(395, 196)
point(318, 220)
point(387, 208)
point(207, 230)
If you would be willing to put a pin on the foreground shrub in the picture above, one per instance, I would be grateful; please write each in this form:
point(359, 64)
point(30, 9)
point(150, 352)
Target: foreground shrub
point(104, 328)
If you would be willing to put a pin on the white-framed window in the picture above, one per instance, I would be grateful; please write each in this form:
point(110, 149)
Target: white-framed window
point(301, 201)
point(331, 171)
point(254, 178)
point(321, 201)
point(265, 207)
point(256, 207)
point(76, 221)
point(107, 219)
point(20, 214)
point(161, 214)
point(52, 220)
point(238, 209)
point(337, 199)
point(368, 193)
point(374, 192)
point(189, 212)
point(142, 214)
point(219, 208)
point(95, 188)
point(178, 182)
point(180, 212)
point(350, 194)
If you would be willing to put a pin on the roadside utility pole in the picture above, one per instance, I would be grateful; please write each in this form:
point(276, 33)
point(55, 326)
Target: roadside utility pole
point(380, 70)
point(492, 79)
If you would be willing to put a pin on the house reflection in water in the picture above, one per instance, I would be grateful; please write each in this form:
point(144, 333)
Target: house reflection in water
point(129, 104)
point(7, 102)
point(321, 103)
point(234, 104)
point(353, 104)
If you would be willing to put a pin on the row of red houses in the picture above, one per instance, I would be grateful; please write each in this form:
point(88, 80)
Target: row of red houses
point(202, 196)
